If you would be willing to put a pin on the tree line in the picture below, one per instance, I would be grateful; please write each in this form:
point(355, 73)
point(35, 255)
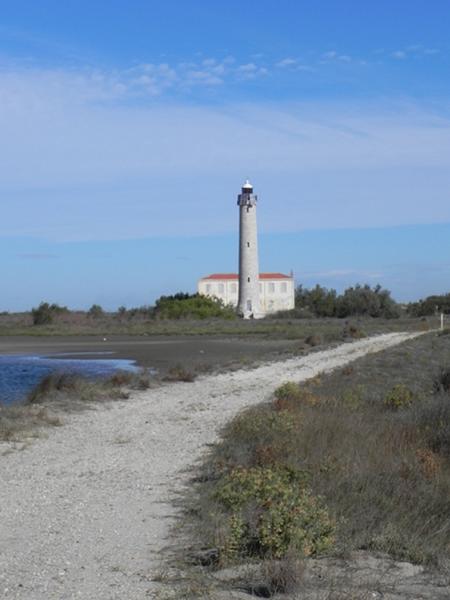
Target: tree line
point(355, 301)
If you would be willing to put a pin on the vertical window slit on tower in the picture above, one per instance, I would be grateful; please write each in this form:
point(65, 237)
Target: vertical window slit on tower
point(248, 279)
point(248, 244)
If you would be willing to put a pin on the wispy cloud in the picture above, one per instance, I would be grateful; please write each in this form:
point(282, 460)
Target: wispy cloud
point(333, 55)
point(414, 51)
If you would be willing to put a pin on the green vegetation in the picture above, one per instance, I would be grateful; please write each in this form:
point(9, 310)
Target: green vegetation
point(195, 306)
point(430, 306)
point(357, 301)
point(317, 314)
point(141, 321)
point(96, 311)
point(45, 313)
point(269, 511)
point(361, 475)
point(399, 397)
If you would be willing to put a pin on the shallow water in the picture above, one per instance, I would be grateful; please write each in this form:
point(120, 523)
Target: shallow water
point(19, 374)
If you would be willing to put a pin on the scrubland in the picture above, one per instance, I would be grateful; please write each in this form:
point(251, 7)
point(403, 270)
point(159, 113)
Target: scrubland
point(74, 323)
point(357, 459)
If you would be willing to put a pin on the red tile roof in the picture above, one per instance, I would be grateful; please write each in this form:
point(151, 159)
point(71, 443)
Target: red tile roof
point(228, 276)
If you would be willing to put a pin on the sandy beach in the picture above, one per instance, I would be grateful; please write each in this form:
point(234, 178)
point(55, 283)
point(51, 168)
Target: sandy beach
point(86, 510)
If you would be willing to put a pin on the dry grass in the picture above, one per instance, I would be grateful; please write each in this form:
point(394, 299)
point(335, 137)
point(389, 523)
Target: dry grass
point(179, 373)
point(382, 474)
point(332, 329)
point(60, 393)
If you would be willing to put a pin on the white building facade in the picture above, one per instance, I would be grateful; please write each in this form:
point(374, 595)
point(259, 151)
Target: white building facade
point(276, 291)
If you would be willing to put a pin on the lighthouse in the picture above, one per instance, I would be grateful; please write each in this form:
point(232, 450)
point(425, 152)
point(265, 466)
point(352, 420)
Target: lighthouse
point(248, 302)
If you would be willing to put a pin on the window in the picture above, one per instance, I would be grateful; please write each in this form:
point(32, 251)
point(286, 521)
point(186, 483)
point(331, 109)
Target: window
point(249, 305)
point(271, 288)
point(233, 288)
point(248, 279)
point(248, 244)
point(260, 288)
point(208, 288)
point(221, 288)
point(284, 287)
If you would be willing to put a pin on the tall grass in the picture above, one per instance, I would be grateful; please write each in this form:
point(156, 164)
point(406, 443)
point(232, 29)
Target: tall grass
point(59, 393)
point(381, 472)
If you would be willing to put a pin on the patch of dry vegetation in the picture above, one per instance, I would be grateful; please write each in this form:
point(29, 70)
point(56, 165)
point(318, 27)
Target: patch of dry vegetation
point(59, 393)
point(141, 322)
point(355, 460)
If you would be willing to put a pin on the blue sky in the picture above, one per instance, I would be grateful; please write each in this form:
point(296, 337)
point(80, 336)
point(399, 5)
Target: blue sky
point(127, 129)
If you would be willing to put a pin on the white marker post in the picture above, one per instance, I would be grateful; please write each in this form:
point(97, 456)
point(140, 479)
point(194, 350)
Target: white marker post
point(442, 321)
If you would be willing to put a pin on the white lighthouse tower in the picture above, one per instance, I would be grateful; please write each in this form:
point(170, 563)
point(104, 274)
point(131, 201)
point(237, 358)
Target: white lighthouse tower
point(248, 303)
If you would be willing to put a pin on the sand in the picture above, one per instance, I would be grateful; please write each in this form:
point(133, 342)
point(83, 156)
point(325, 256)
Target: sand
point(86, 511)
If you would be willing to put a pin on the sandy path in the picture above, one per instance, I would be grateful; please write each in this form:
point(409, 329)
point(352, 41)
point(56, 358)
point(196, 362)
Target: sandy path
point(86, 511)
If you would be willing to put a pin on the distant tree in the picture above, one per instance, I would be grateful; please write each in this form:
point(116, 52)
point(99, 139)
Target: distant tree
point(96, 311)
point(360, 300)
point(195, 306)
point(429, 306)
point(45, 313)
point(122, 311)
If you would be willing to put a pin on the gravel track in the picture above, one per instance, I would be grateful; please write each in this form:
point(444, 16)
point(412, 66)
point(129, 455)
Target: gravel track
point(86, 510)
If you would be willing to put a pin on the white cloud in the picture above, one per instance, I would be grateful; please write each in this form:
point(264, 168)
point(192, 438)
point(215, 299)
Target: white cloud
point(286, 62)
point(332, 55)
point(79, 160)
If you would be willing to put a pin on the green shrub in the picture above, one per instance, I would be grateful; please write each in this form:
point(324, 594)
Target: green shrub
point(269, 512)
point(45, 312)
point(96, 311)
point(195, 306)
point(290, 396)
point(398, 397)
point(360, 300)
point(430, 305)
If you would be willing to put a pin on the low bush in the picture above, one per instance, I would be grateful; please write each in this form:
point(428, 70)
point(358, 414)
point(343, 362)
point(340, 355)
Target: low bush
point(313, 340)
point(283, 576)
point(399, 397)
point(353, 331)
point(270, 511)
point(179, 373)
point(291, 395)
